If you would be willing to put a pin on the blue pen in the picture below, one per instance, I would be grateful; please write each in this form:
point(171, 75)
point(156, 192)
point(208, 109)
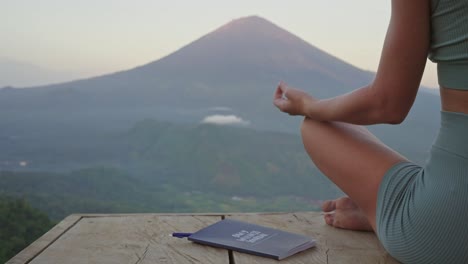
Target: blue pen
point(181, 235)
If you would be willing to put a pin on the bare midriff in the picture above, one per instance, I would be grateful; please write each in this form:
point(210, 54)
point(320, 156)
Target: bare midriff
point(454, 100)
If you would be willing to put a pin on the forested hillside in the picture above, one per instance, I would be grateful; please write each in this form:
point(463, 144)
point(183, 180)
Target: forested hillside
point(162, 167)
point(20, 225)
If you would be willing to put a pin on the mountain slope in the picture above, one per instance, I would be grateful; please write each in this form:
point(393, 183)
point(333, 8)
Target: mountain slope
point(17, 73)
point(253, 43)
point(245, 51)
point(236, 66)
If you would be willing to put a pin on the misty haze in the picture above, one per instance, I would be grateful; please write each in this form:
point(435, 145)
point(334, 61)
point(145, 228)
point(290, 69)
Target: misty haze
point(197, 125)
point(186, 121)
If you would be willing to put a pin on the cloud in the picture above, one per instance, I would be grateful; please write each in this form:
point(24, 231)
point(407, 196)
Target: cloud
point(225, 120)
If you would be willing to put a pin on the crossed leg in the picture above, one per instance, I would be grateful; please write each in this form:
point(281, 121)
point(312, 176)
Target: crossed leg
point(356, 161)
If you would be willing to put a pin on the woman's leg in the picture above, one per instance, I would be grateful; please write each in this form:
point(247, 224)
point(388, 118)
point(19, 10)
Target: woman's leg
point(351, 157)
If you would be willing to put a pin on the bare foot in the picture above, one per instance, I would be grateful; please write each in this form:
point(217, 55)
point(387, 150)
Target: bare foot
point(344, 213)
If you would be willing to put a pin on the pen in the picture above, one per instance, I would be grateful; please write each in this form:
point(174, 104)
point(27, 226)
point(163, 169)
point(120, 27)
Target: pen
point(181, 235)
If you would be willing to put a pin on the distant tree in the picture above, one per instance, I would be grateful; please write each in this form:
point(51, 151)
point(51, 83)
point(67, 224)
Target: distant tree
point(20, 225)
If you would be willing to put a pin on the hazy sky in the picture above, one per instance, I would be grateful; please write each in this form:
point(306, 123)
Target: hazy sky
point(99, 36)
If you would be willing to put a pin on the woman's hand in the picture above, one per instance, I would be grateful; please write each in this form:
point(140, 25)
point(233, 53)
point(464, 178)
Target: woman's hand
point(292, 101)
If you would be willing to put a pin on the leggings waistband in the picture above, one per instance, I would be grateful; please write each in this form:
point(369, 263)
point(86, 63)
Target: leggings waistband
point(453, 136)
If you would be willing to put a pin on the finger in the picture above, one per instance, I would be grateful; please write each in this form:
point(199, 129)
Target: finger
point(278, 103)
point(293, 93)
point(283, 86)
point(278, 93)
point(286, 90)
point(281, 104)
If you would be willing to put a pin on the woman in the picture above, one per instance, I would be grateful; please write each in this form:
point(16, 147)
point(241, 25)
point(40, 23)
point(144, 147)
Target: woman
point(419, 213)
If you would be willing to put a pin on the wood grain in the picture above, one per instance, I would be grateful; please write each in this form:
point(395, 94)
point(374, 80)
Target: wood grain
point(333, 245)
point(144, 239)
point(132, 239)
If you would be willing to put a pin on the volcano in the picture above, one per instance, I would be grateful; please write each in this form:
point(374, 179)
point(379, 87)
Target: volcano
point(236, 68)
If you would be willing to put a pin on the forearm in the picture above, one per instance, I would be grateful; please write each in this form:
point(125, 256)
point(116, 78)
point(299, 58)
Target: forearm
point(363, 106)
point(392, 93)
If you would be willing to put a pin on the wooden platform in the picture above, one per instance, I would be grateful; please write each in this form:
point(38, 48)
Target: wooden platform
point(144, 238)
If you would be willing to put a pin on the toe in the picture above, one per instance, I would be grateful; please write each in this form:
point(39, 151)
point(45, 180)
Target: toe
point(339, 222)
point(329, 206)
point(329, 219)
point(345, 203)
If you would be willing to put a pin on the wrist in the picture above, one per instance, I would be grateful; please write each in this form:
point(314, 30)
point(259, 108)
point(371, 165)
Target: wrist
point(308, 106)
point(316, 109)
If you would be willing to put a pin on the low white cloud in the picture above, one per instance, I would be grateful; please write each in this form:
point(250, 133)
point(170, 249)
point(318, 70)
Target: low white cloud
point(225, 120)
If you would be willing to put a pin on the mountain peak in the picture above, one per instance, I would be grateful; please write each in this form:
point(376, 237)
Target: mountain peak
point(253, 44)
point(247, 21)
point(252, 26)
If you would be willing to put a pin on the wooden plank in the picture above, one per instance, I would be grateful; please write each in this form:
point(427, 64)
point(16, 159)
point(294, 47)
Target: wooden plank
point(286, 222)
point(359, 256)
point(132, 239)
point(44, 241)
point(345, 246)
point(144, 238)
point(333, 246)
point(150, 214)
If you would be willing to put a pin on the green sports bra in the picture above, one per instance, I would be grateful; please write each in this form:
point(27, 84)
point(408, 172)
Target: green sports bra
point(449, 42)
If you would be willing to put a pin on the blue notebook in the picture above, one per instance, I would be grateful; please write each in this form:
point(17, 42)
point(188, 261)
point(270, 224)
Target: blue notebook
point(253, 239)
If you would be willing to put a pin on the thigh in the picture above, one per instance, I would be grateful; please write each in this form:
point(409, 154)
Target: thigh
point(352, 157)
point(425, 209)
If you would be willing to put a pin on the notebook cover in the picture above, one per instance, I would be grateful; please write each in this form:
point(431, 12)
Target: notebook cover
point(253, 239)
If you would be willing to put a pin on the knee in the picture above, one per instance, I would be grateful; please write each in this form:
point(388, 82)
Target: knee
point(306, 125)
point(315, 133)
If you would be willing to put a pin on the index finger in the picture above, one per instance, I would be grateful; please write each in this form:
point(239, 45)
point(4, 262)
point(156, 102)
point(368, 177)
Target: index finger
point(278, 92)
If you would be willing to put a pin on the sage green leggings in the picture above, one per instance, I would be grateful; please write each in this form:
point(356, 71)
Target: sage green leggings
point(422, 212)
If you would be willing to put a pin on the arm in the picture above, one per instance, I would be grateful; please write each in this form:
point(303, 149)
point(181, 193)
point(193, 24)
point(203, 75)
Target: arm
point(390, 97)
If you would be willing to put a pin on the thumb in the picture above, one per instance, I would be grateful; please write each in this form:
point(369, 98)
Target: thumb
point(281, 104)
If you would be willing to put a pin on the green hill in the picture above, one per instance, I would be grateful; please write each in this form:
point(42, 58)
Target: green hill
point(229, 160)
point(20, 225)
point(163, 167)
